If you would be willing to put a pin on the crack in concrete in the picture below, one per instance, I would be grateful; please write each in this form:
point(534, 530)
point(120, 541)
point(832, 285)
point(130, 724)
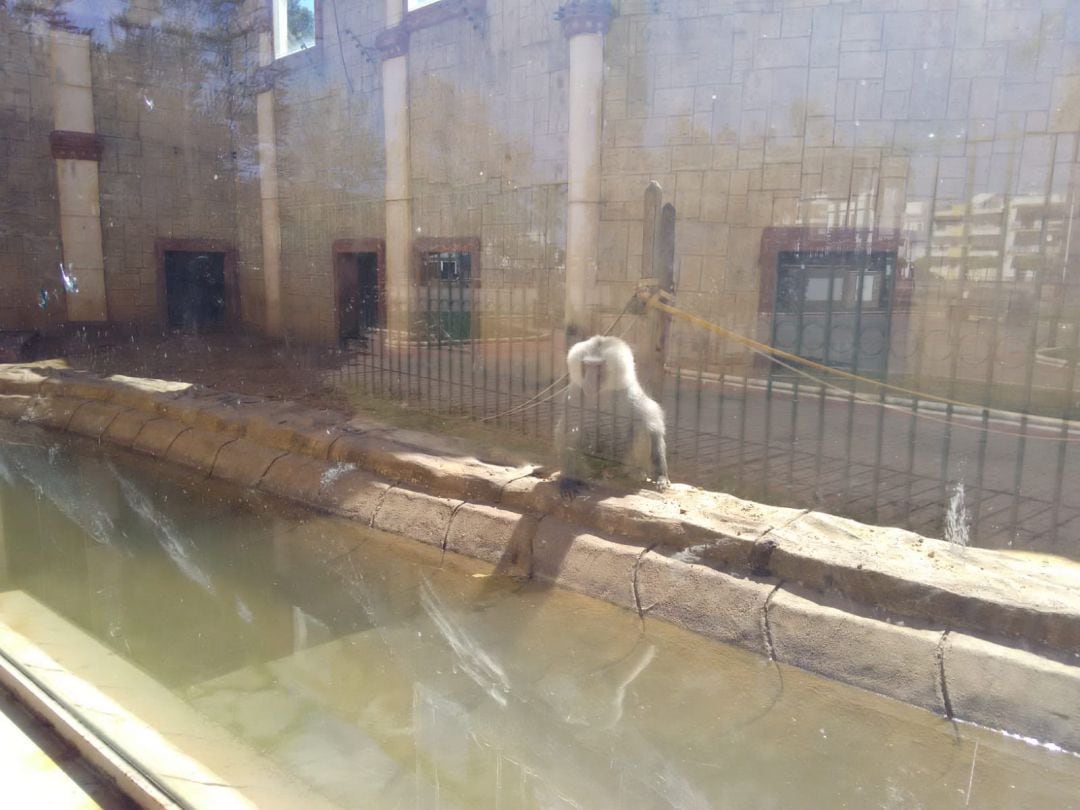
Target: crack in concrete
point(940, 655)
point(273, 461)
point(330, 447)
point(446, 534)
point(213, 464)
point(382, 499)
point(142, 427)
point(174, 438)
point(634, 584)
point(766, 627)
point(117, 415)
point(77, 408)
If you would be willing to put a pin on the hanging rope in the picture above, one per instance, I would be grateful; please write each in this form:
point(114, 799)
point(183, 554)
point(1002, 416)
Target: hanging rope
point(659, 301)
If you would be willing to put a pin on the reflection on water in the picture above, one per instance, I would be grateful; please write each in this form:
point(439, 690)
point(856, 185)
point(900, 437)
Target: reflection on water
point(380, 673)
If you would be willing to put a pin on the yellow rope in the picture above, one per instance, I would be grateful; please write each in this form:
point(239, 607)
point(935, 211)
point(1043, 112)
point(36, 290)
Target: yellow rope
point(772, 353)
point(655, 303)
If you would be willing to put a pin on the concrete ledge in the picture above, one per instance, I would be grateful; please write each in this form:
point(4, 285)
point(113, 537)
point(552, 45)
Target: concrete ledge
point(1013, 690)
point(568, 556)
point(197, 448)
point(93, 418)
point(889, 659)
point(52, 412)
point(13, 406)
point(244, 462)
point(157, 436)
point(353, 493)
point(297, 477)
point(928, 580)
point(415, 514)
point(498, 536)
point(126, 426)
point(725, 608)
point(287, 427)
point(706, 561)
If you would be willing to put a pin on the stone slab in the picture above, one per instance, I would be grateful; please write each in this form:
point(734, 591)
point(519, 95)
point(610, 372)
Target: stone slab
point(1006, 688)
point(142, 393)
point(157, 436)
point(51, 412)
point(717, 605)
point(126, 426)
point(296, 476)
point(571, 557)
point(929, 580)
point(417, 515)
point(244, 462)
point(223, 413)
point(197, 448)
point(13, 406)
point(353, 493)
point(21, 380)
point(889, 659)
point(498, 536)
point(93, 418)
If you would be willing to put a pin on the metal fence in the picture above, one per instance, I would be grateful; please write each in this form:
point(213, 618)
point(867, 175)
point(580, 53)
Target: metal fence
point(955, 462)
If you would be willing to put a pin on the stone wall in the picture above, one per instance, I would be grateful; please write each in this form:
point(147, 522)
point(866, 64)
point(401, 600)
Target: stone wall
point(162, 110)
point(865, 115)
point(29, 212)
point(834, 115)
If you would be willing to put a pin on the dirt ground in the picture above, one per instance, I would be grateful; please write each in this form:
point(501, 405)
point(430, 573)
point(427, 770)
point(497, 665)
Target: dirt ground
point(241, 364)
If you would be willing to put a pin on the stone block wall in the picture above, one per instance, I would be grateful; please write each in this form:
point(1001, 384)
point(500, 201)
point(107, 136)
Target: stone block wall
point(161, 109)
point(753, 115)
point(865, 115)
point(328, 120)
point(29, 211)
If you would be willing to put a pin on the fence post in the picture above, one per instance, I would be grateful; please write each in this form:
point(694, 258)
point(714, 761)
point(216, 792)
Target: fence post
point(658, 264)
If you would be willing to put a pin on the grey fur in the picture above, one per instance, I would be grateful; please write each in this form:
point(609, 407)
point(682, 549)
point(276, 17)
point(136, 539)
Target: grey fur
point(605, 415)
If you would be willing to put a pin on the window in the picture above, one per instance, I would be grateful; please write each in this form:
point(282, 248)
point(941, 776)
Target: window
point(415, 4)
point(448, 266)
point(294, 26)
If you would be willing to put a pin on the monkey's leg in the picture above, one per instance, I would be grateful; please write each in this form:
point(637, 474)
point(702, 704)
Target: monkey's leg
point(659, 459)
point(568, 437)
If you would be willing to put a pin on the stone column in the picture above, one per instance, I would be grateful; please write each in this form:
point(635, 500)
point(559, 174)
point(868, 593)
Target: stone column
point(270, 215)
point(393, 45)
point(77, 151)
point(584, 24)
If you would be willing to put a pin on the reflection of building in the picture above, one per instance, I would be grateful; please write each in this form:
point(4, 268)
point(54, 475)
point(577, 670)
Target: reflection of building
point(406, 130)
point(990, 239)
point(829, 295)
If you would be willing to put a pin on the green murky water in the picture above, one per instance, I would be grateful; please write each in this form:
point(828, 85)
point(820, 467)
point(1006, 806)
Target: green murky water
point(377, 673)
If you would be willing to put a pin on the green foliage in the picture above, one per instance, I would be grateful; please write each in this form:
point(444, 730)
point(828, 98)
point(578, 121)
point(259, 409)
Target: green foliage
point(301, 25)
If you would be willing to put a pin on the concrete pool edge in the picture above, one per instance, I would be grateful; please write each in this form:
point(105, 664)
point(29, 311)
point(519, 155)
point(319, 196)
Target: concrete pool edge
point(967, 633)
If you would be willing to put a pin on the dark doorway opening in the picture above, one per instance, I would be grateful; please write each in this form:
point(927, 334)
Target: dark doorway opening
point(359, 285)
point(358, 294)
point(195, 295)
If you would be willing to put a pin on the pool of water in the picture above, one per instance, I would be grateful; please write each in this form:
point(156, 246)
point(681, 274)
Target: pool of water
point(373, 672)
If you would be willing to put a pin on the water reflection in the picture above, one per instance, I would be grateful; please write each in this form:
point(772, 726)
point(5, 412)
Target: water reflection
point(381, 673)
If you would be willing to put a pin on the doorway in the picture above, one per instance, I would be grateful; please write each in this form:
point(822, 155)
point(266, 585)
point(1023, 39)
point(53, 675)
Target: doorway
point(836, 308)
point(359, 288)
point(197, 291)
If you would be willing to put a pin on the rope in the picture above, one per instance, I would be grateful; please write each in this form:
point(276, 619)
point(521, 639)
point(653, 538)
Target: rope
point(535, 399)
point(774, 354)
